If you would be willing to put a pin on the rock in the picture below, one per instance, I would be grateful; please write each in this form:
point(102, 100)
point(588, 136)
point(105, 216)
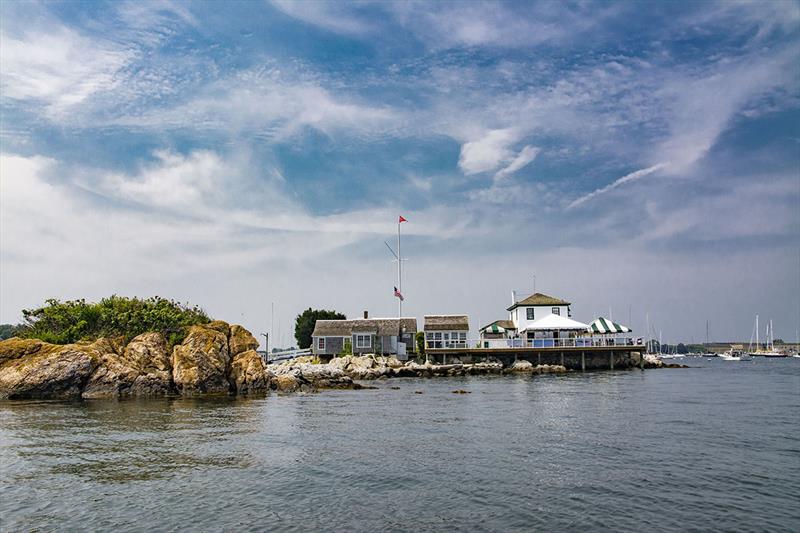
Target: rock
point(286, 383)
point(461, 391)
point(521, 365)
point(240, 340)
point(143, 368)
point(200, 363)
point(34, 369)
point(248, 373)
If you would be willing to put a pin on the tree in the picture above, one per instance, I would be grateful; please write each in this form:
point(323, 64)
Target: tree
point(8, 330)
point(305, 322)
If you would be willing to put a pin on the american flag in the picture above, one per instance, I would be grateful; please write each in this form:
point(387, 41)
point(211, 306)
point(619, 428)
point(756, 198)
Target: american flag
point(397, 293)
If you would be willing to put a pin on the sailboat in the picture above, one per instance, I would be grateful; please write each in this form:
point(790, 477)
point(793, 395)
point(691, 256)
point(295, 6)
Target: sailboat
point(769, 344)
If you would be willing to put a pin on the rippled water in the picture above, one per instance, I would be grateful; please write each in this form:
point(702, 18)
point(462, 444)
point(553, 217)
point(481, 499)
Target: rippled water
point(716, 447)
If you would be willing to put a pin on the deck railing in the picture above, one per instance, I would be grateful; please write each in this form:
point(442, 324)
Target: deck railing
point(568, 342)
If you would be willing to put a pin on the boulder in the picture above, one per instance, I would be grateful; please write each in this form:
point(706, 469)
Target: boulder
point(286, 383)
point(521, 365)
point(34, 369)
point(240, 340)
point(248, 373)
point(200, 364)
point(143, 368)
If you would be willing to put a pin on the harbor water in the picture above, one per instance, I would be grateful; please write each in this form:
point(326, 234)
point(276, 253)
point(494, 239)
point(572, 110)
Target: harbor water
point(712, 447)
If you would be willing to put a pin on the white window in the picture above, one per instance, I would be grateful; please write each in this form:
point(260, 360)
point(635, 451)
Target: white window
point(363, 341)
point(529, 312)
point(463, 336)
point(556, 311)
point(320, 344)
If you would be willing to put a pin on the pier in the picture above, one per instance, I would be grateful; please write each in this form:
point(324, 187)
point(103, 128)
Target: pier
point(600, 357)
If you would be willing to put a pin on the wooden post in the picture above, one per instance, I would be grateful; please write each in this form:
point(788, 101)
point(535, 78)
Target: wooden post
point(539, 358)
point(562, 358)
point(611, 360)
point(641, 360)
point(583, 362)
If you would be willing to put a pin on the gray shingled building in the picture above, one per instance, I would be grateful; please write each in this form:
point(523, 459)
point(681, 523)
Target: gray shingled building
point(364, 335)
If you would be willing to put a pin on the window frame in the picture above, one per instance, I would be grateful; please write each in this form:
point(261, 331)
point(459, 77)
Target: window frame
point(321, 344)
point(529, 313)
point(556, 311)
point(361, 336)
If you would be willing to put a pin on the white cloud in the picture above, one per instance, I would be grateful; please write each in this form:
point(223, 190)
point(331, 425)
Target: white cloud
point(58, 67)
point(627, 178)
point(488, 152)
point(701, 107)
point(333, 16)
point(523, 158)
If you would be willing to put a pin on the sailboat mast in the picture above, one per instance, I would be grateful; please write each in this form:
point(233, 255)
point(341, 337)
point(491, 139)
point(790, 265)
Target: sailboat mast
point(758, 344)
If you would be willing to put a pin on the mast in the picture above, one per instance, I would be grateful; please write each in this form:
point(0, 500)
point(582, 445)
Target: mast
point(399, 273)
point(758, 344)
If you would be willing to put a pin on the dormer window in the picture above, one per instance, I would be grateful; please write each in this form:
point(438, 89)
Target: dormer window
point(529, 312)
point(556, 311)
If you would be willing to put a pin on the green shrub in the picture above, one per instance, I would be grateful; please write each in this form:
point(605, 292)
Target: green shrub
point(76, 320)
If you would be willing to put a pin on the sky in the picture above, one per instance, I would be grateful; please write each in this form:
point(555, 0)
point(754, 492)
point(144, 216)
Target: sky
point(641, 160)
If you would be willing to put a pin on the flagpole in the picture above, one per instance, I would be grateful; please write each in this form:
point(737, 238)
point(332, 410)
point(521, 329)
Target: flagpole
point(399, 273)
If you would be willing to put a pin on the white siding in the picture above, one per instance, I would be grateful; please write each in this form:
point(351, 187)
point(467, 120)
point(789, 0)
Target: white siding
point(519, 316)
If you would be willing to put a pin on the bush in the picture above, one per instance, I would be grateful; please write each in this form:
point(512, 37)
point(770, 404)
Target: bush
point(76, 320)
point(420, 339)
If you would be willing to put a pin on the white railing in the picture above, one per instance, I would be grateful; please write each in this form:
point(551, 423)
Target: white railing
point(569, 342)
point(285, 355)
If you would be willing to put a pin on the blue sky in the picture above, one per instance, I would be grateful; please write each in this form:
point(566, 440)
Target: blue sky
point(639, 159)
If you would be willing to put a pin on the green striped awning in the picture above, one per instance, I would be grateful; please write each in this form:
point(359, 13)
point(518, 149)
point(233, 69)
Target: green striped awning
point(603, 325)
point(494, 328)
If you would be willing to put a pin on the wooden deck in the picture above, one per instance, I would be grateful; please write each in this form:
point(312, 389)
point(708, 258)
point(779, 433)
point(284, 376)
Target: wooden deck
point(571, 357)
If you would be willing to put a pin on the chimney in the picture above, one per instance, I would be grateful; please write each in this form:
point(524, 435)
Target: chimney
point(513, 297)
point(366, 315)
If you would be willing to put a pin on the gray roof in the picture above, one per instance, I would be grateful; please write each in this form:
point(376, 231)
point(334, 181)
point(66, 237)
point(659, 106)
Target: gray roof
point(539, 299)
point(505, 324)
point(446, 322)
point(380, 326)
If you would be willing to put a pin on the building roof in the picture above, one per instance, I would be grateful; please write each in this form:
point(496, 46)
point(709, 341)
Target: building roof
point(553, 322)
point(446, 322)
point(380, 326)
point(604, 325)
point(505, 324)
point(539, 299)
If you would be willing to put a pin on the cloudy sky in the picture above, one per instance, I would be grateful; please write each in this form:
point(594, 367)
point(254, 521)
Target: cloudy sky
point(638, 159)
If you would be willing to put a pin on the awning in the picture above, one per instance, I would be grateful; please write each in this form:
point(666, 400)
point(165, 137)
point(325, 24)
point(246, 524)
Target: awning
point(603, 325)
point(553, 322)
point(494, 328)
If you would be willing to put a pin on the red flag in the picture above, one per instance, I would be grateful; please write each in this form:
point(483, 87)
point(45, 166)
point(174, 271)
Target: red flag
point(401, 219)
point(398, 295)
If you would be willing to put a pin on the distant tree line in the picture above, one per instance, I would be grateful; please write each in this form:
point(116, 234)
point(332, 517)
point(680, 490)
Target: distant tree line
point(71, 321)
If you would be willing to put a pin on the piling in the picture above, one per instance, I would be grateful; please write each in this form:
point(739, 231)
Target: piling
point(562, 358)
point(583, 361)
point(611, 361)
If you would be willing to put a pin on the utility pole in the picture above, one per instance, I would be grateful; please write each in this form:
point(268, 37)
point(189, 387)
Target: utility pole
point(272, 324)
point(266, 347)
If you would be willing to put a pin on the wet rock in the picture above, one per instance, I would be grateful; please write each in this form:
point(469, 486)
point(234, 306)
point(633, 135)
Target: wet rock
point(461, 391)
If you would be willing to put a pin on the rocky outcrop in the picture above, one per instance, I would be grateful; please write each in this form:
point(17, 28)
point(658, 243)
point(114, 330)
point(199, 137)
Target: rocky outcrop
point(200, 364)
point(142, 368)
point(248, 374)
point(33, 369)
point(213, 358)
